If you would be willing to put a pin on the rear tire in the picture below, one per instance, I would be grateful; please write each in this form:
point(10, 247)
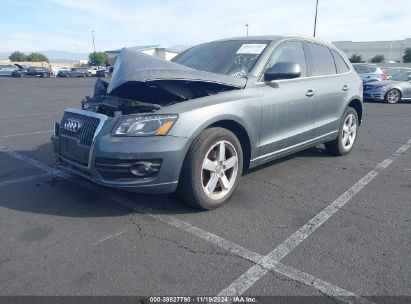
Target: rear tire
point(393, 96)
point(347, 134)
point(212, 169)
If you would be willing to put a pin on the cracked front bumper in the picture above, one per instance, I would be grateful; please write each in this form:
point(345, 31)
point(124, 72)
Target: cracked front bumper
point(120, 153)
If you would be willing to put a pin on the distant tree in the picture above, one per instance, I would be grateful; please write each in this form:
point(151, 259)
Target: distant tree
point(378, 58)
point(17, 56)
point(37, 57)
point(407, 55)
point(97, 58)
point(356, 58)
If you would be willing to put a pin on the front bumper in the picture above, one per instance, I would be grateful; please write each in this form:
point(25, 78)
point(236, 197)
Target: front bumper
point(110, 160)
point(374, 95)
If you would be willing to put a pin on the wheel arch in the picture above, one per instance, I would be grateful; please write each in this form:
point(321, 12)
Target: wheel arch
point(356, 104)
point(241, 133)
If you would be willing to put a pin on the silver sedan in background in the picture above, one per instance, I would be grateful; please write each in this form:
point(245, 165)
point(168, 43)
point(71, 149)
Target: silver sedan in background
point(395, 89)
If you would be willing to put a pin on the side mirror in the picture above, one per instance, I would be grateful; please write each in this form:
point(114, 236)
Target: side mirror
point(283, 70)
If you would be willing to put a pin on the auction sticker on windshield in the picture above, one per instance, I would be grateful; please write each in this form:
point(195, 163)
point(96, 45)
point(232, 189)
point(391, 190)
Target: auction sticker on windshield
point(251, 48)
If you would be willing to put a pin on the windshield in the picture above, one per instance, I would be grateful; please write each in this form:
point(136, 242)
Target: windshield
point(234, 57)
point(402, 76)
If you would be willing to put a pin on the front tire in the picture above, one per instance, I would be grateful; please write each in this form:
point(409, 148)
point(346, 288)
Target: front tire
point(393, 96)
point(212, 169)
point(347, 134)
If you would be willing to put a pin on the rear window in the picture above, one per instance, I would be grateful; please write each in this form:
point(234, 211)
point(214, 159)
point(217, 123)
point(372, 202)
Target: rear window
point(342, 67)
point(373, 69)
point(321, 60)
point(361, 69)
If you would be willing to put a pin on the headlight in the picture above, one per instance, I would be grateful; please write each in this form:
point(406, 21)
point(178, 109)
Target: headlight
point(145, 125)
point(382, 89)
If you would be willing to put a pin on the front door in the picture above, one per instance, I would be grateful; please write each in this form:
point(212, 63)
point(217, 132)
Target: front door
point(287, 105)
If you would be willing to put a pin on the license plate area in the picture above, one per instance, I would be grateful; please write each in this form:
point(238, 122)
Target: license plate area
point(71, 149)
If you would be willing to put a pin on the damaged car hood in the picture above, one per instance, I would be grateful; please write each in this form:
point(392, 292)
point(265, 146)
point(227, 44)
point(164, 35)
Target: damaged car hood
point(145, 78)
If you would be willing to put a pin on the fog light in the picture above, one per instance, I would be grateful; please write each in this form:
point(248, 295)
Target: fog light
point(146, 168)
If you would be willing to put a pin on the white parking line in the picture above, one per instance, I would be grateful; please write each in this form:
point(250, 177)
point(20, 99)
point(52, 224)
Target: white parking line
point(109, 237)
point(249, 278)
point(234, 248)
point(23, 179)
point(24, 134)
point(33, 162)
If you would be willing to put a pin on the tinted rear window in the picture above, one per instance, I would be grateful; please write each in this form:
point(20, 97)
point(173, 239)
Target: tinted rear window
point(361, 69)
point(342, 67)
point(321, 60)
point(373, 69)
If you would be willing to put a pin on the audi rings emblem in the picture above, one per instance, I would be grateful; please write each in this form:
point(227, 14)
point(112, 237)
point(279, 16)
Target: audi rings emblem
point(72, 125)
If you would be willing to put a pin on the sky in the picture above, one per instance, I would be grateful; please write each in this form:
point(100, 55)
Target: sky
point(35, 25)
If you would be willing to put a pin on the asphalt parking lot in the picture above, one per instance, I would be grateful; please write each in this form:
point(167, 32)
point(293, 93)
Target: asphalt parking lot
point(308, 224)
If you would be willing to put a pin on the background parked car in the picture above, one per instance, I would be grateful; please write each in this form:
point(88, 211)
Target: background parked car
point(397, 88)
point(20, 70)
point(7, 70)
point(76, 72)
point(394, 71)
point(92, 70)
point(38, 72)
point(105, 72)
point(62, 72)
point(369, 72)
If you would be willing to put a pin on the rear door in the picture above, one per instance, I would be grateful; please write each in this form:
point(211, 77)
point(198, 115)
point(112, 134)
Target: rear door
point(330, 89)
point(287, 105)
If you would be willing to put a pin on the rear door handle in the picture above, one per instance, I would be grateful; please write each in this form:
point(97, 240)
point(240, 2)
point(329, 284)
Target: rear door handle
point(310, 93)
point(345, 88)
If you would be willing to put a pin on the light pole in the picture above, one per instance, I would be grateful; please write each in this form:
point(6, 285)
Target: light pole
point(315, 20)
point(94, 45)
point(247, 29)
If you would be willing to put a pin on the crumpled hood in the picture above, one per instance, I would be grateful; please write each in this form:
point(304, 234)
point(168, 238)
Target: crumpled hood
point(136, 71)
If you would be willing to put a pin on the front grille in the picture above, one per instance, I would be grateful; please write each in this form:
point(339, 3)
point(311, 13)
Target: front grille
point(87, 130)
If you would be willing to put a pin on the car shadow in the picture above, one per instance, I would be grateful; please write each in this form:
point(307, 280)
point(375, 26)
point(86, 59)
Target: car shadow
point(78, 197)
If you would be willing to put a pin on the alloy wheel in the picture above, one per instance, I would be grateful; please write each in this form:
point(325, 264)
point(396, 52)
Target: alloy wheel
point(219, 170)
point(349, 131)
point(393, 96)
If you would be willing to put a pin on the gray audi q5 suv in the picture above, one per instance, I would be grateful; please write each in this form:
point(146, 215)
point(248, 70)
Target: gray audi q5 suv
point(197, 123)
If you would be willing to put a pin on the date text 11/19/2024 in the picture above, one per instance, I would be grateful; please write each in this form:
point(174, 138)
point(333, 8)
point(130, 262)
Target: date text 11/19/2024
point(202, 299)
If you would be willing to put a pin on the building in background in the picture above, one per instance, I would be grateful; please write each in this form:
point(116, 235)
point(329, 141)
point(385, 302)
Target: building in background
point(153, 50)
point(392, 50)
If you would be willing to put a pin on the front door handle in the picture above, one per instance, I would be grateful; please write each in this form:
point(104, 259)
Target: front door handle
point(310, 93)
point(345, 88)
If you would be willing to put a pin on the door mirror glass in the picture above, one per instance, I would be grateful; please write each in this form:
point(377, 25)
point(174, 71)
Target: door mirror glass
point(283, 70)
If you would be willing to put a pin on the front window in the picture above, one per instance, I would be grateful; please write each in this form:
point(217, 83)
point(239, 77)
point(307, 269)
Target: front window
point(402, 77)
point(233, 57)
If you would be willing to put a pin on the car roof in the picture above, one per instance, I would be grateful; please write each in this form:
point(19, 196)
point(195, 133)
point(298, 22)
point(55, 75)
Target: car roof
point(277, 38)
